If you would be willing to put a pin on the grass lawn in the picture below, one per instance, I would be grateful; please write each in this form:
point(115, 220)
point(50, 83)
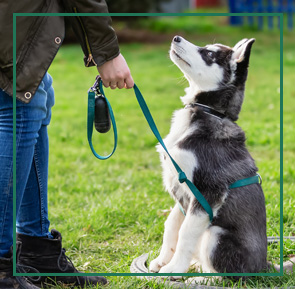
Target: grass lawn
point(110, 212)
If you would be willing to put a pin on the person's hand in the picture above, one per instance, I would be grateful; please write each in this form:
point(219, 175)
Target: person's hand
point(115, 73)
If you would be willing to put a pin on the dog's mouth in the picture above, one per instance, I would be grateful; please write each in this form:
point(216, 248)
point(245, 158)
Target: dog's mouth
point(179, 57)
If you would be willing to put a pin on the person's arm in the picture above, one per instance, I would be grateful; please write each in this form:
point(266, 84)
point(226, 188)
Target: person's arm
point(99, 42)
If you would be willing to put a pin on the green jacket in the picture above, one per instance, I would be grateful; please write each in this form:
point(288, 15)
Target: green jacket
point(38, 39)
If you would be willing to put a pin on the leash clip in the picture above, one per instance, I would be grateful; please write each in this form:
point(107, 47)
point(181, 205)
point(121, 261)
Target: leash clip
point(95, 87)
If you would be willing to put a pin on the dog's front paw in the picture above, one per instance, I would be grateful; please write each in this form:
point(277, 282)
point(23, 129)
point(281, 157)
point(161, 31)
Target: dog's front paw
point(156, 265)
point(173, 268)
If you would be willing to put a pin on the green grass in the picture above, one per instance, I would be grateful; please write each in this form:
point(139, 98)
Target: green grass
point(110, 212)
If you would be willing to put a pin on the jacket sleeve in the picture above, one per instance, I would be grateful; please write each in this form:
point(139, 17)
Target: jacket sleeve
point(95, 34)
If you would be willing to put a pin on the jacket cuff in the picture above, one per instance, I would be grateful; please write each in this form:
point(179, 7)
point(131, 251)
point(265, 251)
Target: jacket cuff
point(103, 54)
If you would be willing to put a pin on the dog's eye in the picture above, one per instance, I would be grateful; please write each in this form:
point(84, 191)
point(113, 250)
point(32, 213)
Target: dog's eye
point(210, 54)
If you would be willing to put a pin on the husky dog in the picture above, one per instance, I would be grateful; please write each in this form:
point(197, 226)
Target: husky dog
point(210, 148)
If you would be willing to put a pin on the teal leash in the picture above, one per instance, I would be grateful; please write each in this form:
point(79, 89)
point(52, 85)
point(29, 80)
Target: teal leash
point(181, 175)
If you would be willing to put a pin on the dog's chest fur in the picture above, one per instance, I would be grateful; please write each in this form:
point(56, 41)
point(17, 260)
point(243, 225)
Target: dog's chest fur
point(181, 128)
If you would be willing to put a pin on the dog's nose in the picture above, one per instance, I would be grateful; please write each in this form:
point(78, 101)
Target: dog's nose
point(177, 39)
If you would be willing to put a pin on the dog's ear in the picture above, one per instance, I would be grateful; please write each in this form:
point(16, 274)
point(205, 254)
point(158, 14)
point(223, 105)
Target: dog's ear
point(240, 60)
point(241, 51)
point(239, 63)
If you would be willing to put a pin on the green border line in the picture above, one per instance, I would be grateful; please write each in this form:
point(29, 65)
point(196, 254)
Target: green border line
point(14, 144)
point(280, 15)
point(281, 146)
point(148, 14)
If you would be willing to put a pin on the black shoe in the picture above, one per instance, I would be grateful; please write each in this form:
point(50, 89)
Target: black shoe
point(7, 280)
point(48, 256)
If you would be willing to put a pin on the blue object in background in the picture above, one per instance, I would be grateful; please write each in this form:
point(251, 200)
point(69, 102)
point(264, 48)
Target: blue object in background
point(261, 6)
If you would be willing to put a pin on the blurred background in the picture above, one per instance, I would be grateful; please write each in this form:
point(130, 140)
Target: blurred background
point(132, 28)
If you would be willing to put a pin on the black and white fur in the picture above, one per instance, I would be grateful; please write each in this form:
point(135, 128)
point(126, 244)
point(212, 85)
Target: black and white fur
point(212, 153)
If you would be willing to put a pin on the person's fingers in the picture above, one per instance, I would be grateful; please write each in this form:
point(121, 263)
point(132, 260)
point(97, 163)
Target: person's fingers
point(105, 84)
point(121, 83)
point(113, 85)
point(129, 82)
point(115, 73)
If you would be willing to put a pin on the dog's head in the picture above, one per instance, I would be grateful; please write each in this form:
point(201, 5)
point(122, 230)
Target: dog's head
point(214, 68)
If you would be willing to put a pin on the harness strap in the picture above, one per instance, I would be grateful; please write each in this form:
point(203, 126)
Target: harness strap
point(245, 182)
point(240, 183)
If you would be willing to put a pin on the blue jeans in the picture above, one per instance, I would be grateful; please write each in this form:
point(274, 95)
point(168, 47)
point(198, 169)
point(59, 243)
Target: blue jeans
point(31, 164)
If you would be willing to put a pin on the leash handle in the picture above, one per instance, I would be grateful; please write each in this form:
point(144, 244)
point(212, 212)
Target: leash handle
point(97, 89)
